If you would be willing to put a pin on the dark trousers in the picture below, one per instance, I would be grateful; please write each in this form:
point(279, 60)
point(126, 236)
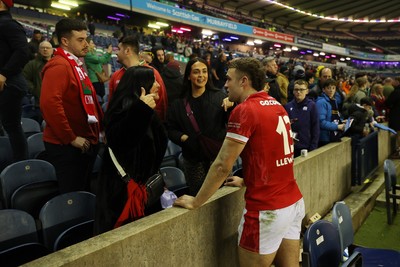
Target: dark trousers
point(10, 117)
point(73, 168)
point(100, 89)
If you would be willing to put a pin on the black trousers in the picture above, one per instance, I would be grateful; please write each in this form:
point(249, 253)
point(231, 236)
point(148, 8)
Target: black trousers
point(10, 115)
point(73, 168)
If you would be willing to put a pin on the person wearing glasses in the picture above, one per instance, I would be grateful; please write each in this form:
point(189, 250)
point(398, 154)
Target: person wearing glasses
point(32, 73)
point(304, 119)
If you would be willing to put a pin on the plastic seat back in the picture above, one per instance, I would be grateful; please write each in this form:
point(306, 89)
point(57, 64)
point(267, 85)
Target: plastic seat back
point(30, 126)
point(74, 234)
point(65, 211)
point(31, 197)
point(174, 178)
point(35, 145)
point(321, 245)
point(341, 219)
point(6, 153)
point(17, 227)
point(24, 172)
point(391, 187)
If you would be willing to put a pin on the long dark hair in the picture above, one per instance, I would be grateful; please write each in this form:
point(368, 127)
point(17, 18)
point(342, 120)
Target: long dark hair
point(129, 90)
point(187, 84)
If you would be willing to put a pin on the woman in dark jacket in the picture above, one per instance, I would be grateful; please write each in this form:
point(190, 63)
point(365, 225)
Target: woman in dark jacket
point(137, 139)
point(205, 103)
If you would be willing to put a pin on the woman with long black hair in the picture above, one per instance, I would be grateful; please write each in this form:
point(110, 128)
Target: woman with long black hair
point(201, 102)
point(138, 141)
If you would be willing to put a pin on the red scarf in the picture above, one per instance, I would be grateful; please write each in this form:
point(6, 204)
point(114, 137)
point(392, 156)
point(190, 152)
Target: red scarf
point(88, 94)
point(135, 204)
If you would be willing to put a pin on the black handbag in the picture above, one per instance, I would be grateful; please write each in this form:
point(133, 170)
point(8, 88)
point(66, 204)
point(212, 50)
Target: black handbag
point(209, 146)
point(155, 188)
point(154, 185)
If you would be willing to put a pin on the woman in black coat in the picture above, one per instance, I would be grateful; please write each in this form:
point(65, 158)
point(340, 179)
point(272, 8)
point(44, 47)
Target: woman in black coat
point(393, 103)
point(205, 103)
point(137, 139)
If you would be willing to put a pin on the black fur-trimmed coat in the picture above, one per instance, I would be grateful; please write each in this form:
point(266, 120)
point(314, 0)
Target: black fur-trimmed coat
point(139, 141)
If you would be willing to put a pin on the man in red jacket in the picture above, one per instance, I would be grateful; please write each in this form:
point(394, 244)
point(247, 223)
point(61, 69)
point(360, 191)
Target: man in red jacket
point(128, 56)
point(70, 109)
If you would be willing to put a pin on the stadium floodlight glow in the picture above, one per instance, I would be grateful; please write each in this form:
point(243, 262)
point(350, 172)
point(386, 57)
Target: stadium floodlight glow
point(277, 45)
point(342, 59)
point(227, 40)
point(234, 38)
point(315, 54)
point(68, 3)
point(258, 41)
point(287, 49)
point(295, 48)
point(60, 6)
point(207, 32)
point(162, 24)
point(251, 43)
point(347, 58)
point(154, 26)
point(334, 56)
point(113, 18)
point(186, 29)
point(364, 20)
point(322, 53)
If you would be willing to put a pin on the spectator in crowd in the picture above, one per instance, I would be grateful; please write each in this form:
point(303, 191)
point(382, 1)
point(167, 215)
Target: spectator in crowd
point(347, 84)
point(33, 74)
point(169, 57)
point(298, 73)
point(387, 87)
point(393, 104)
point(92, 28)
point(54, 40)
point(367, 87)
point(94, 63)
point(207, 58)
point(325, 74)
point(283, 83)
point(69, 106)
point(357, 91)
point(271, 69)
point(14, 55)
point(361, 116)
point(180, 45)
point(202, 101)
point(37, 38)
point(188, 51)
point(128, 56)
point(218, 70)
point(379, 99)
point(196, 49)
point(138, 140)
point(173, 80)
point(329, 115)
point(159, 58)
point(147, 56)
point(304, 119)
point(273, 200)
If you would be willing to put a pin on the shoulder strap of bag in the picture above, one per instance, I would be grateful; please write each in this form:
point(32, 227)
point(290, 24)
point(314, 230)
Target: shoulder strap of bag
point(124, 176)
point(192, 119)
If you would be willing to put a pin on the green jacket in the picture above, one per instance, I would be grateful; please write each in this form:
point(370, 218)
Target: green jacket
point(94, 63)
point(33, 75)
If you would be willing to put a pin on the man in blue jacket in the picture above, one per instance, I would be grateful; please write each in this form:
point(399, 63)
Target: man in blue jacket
point(304, 118)
point(13, 87)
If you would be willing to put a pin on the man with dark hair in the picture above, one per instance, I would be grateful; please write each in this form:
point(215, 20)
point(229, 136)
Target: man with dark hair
point(14, 55)
point(218, 70)
point(258, 131)
point(271, 69)
point(128, 56)
point(37, 38)
point(70, 108)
